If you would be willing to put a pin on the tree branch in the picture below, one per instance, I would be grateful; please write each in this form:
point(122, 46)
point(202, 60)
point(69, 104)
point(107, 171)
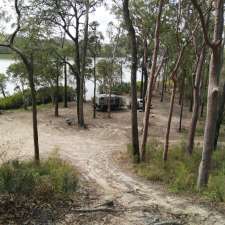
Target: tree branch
point(203, 23)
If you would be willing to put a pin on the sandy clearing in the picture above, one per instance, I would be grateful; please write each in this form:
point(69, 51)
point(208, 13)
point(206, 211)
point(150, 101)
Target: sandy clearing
point(93, 150)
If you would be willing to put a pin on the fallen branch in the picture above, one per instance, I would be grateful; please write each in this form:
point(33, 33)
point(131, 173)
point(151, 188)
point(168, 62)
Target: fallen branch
point(109, 210)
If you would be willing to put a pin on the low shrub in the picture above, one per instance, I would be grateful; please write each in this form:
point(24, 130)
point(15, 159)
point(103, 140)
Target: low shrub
point(44, 96)
point(14, 101)
point(180, 172)
point(52, 177)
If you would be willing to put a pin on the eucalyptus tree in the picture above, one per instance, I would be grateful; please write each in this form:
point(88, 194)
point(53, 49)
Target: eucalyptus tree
point(153, 74)
point(196, 97)
point(200, 48)
point(220, 118)
point(143, 15)
point(49, 71)
point(94, 48)
point(185, 81)
point(213, 87)
point(69, 16)
point(183, 36)
point(28, 27)
point(64, 55)
point(107, 75)
point(133, 44)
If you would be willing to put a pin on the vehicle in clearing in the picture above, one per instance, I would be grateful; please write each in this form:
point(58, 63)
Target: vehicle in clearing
point(140, 104)
point(117, 102)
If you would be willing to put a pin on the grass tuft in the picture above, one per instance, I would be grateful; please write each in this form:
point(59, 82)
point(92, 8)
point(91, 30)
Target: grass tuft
point(52, 177)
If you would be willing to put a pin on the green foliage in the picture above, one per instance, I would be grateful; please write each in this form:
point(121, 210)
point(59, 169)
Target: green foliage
point(4, 52)
point(121, 88)
point(216, 186)
point(117, 88)
point(51, 177)
point(6, 56)
point(180, 172)
point(44, 96)
point(14, 101)
point(107, 74)
point(3, 80)
point(138, 86)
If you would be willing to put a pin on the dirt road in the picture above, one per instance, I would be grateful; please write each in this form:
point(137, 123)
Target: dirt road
point(93, 151)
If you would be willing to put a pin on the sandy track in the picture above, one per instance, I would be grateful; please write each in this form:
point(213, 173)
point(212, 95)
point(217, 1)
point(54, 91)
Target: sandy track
point(92, 151)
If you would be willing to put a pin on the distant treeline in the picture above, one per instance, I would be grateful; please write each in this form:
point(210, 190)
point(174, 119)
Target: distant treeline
point(105, 52)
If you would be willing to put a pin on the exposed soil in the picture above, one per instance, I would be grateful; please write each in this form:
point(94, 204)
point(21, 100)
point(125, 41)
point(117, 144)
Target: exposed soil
point(94, 151)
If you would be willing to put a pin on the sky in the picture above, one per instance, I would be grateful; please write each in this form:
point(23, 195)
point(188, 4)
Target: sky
point(102, 15)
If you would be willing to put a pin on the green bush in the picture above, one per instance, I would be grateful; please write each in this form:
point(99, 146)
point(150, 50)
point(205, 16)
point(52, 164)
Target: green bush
point(44, 96)
point(53, 176)
point(180, 172)
point(119, 89)
point(12, 102)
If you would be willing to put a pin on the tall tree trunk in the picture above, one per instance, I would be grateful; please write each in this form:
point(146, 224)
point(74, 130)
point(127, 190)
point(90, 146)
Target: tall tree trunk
point(77, 68)
point(34, 116)
point(181, 89)
point(144, 74)
point(142, 80)
point(166, 79)
point(181, 103)
point(220, 116)
point(151, 83)
point(57, 93)
point(192, 87)
point(78, 97)
point(30, 70)
point(202, 109)
point(213, 89)
point(146, 118)
point(221, 104)
point(145, 85)
point(181, 113)
point(197, 101)
point(133, 41)
point(203, 91)
point(163, 88)
point(109, 98)
point(65, 87)
point(174, 80)
point(94, 98)
point(191, 101)
point(121, 72)
point(81, 101)
point(25, 103)
point(166, 145)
